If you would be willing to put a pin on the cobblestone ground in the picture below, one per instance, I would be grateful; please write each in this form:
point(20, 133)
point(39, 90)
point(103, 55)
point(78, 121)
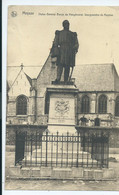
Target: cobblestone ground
point(62, 185)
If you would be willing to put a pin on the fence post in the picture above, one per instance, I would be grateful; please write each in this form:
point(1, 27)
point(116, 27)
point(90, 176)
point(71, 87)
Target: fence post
point(41, 146)
point(72, 147)
point(46, 146)
point(67, 146)
point(25, 150)
point(62, 152)
point(31, 151)
point(36, 147)
point(57, 149)
point(108, 136)
point(15, 147)
point(84, 141)
point(51, 149)
point(87, 146)
point(77, 148)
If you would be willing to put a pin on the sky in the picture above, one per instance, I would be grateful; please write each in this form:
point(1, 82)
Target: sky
point(31, 30)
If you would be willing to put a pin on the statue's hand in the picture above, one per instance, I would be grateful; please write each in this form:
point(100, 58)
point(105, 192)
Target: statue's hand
point(76, 51)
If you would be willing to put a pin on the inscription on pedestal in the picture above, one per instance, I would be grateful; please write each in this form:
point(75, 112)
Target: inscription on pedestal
point(62, 109)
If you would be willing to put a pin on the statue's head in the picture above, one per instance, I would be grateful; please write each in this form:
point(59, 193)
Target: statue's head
point(66, 24)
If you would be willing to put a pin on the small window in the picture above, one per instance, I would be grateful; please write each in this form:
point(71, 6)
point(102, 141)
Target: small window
point(85, 104)
point(117, 106)
point(21, 105)
point(102, 104)
point(97, 122)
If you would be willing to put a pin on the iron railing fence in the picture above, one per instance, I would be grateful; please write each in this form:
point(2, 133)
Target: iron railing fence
point(84, 149)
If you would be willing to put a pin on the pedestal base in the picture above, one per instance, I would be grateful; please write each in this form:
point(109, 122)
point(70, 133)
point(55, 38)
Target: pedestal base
point(61, 129)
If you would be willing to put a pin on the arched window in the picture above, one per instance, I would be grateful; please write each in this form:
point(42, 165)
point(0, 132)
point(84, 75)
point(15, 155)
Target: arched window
point(85, 104)
point(117, 106)
point(21, 105)
point(102, 104)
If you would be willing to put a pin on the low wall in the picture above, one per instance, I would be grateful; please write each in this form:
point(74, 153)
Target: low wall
point(61, 173)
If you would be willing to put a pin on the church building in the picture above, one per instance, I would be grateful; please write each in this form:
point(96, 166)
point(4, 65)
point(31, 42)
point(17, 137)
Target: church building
point(97, 102)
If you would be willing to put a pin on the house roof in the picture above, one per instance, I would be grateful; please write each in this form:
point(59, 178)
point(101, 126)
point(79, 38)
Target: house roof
point(96, 77)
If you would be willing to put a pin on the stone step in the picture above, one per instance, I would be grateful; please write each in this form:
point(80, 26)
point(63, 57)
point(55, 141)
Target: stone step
point(81, 154)
point(84, 158)
point(34, 161)
point(54, 146)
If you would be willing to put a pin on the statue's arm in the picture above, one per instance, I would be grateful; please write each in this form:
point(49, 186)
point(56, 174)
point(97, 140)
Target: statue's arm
point(54, 49)
point(76, 43)
point(56, 39)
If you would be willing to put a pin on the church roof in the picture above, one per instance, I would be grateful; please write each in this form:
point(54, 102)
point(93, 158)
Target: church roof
point(88, 77)
point(28, 78)
point(96, 77)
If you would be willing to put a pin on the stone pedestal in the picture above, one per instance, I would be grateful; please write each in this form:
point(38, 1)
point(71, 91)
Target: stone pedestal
point(62, 108)
point(60, 145)
point(62, 119)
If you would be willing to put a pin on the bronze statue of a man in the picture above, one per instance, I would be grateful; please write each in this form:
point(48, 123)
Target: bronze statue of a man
point(65, 47)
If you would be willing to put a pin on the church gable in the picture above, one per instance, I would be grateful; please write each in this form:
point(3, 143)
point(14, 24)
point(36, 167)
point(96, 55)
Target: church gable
point(116, 80)
point(21, 85)
point(47, 73)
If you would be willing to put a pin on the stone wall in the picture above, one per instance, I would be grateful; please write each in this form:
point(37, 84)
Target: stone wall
point(11, 131)
point(45, 78)
point(107, 119)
